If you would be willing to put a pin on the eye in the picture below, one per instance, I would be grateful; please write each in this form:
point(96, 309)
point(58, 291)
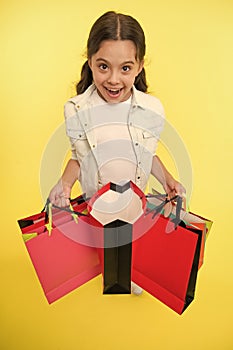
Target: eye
point(103, 66)
point(126, 68)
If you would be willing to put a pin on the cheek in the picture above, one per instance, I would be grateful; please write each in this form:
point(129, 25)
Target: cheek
point(97, 77)
point(130, 79)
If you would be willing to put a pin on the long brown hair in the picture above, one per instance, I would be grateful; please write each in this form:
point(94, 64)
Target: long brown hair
point(114, 26)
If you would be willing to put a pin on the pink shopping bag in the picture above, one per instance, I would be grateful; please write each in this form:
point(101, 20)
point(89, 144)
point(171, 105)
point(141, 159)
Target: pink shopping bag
point(61, 262)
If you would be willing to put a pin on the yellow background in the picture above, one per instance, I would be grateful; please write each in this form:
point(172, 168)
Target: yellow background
point(189, 67)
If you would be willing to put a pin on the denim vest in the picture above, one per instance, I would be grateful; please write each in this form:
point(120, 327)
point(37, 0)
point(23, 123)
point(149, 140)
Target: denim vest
point(145, 123)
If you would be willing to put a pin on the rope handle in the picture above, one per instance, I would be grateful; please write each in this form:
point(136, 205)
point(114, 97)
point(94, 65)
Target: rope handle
point(156, 194)
point(66, 209)
point(48, 213)
point(157, 209)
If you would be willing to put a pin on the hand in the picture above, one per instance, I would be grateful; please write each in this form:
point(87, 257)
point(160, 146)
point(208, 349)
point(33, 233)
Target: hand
point(170, 185)
point(173, 188)
point(60, 194)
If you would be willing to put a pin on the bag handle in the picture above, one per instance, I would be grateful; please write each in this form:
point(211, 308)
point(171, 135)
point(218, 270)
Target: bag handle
point(157, 209)
point(177, 218)
point(48, 213)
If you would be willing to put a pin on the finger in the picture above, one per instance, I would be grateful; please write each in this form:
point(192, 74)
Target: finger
point(52, 197)
point(167, 209)
point(57, 201)
point(180, 190)
point(184, 201)
point(183, 194)
point(171, 194)
point(64, 202)
point(66, 192)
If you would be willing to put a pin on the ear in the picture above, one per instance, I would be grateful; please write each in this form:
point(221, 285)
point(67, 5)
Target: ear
point(141, 66)
point(89, 63)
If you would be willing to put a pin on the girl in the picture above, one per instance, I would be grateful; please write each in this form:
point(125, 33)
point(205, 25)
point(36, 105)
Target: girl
point(112, 123)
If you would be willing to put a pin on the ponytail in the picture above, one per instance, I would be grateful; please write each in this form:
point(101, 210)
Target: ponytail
point(86, 79)
point(140, 81)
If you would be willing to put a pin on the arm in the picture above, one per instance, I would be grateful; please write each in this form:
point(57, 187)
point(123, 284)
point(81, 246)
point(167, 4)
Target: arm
point(170, 185)
point(60, 193)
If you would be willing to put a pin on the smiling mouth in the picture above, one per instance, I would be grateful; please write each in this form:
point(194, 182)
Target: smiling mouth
point(114, 92)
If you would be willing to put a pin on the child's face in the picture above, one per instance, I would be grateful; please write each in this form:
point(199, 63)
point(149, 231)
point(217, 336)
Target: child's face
point(114, 68)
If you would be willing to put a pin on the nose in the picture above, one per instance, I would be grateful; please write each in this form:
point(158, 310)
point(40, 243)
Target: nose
point(114, 77)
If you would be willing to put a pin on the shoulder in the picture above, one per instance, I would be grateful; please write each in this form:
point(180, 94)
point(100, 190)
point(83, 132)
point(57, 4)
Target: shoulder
point(77, 102)
point(148, 101)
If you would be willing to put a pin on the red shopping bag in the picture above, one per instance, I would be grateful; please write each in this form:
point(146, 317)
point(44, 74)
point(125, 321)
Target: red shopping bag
point(166, 258)
point(193, 221)
point(61, 262)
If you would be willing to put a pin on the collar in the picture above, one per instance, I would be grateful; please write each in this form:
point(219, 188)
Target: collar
point(81, 101)
point(138, 99)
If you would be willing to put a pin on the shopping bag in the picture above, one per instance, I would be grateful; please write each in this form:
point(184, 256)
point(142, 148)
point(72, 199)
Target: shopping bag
point(166, 257)
point(193, 220)
point(117, 207)
point(201, 223)
point(61, 262)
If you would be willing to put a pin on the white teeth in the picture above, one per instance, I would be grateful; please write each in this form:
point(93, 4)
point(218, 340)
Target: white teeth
point(113, 90)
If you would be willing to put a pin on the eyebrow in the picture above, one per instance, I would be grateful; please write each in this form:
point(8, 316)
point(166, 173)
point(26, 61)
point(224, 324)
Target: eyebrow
point(104, 60)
